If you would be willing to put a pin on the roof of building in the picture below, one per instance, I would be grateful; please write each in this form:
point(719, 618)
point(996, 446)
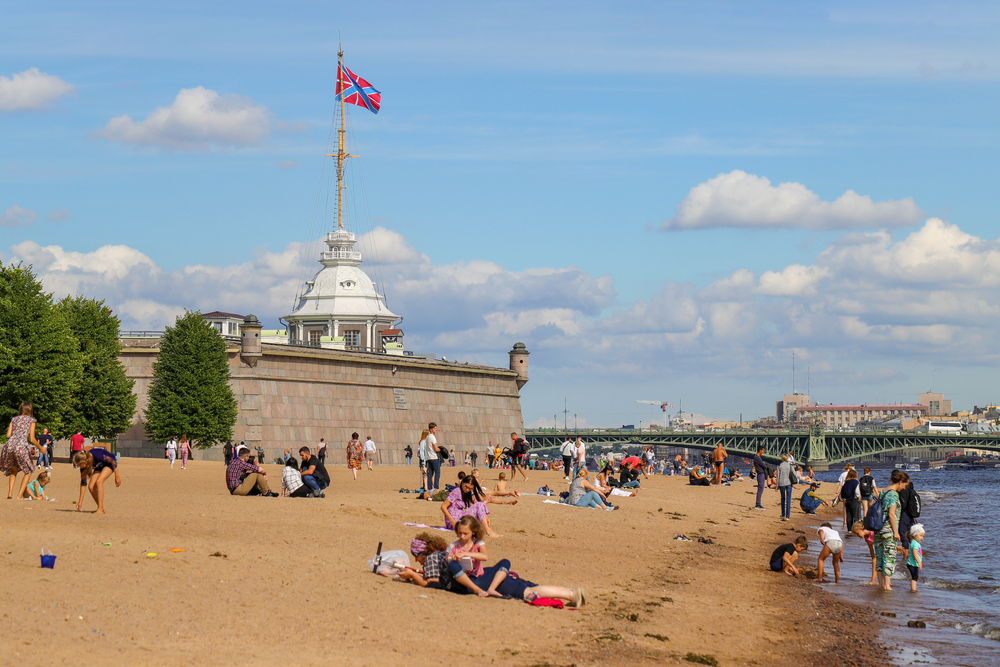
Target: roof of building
point(392, 332)
point(219, 315)
point(866, 406)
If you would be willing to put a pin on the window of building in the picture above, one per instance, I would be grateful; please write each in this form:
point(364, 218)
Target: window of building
point(314, 336)
point(218, 326)
point(352, 338)
point(234, 328)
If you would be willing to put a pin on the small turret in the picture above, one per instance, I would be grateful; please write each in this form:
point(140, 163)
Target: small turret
point(250, 351)
point(519, 363)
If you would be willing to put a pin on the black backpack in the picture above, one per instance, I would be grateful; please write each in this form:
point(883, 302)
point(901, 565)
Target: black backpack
point(520, 447)
point(913, 504)
point(867, 485)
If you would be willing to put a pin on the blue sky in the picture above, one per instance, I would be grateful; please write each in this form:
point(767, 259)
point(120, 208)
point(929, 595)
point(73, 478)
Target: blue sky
point(600, 180)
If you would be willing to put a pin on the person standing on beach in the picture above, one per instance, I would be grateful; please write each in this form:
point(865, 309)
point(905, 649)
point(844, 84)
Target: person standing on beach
point(321, 450)
point(885, 539)
point(760, 470)
point(45, 441)
point(785, 487)
point(408, 453)
point(851, 495)
point(580, 452)
point(15, 457)
point(75, 444)
point(227, 452)
point(567, 450)
point(473, 457)
point(433, 460)
point(718, 463)
point(868, 489)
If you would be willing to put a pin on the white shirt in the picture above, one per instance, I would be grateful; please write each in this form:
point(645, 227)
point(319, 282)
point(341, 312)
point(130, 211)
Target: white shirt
point(842, 478)
point(568, 448)
point(581, 452)
point(431, 442)
point(171, 444)
point(320, 446)
point(369, 445)
point(827, 534)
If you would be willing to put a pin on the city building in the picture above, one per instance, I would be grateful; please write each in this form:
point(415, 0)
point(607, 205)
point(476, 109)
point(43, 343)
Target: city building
point(846, 416)
point(936, 404)
point(788, 404)
point(227, 324)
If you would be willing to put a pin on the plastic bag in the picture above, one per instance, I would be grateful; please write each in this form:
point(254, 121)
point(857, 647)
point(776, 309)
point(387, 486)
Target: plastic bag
point(390, 562)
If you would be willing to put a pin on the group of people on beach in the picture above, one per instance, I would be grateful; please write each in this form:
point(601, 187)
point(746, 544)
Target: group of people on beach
point(96, 464)
point(884, 520)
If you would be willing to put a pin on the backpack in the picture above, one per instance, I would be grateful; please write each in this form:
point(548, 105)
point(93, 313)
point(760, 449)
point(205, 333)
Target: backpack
point(913, 504)
point(867, 485)
point(520, 447)
point(874, 520)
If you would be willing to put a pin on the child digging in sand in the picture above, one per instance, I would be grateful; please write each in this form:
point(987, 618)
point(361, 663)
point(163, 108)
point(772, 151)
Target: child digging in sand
point(784, 557)
point(36, 489)
point(869, 537)
point(832, 545)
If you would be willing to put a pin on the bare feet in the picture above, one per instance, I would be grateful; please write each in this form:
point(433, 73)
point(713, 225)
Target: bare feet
point(98, 511)
point(494, 535)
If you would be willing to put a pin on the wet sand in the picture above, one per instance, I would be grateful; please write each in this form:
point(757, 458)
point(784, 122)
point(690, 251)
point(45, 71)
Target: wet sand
point(293, 587)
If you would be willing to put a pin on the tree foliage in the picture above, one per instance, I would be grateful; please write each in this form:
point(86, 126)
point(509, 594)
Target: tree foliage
point(190, 393)
point(40, 361)
point(102, 403)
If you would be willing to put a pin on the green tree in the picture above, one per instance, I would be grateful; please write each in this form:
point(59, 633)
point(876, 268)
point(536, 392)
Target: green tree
point(39, 357)
point(102, 404)
point(190, 393)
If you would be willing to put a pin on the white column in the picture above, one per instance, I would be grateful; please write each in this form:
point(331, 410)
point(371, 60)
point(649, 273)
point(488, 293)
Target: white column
point(336, 328)
point(368, 334)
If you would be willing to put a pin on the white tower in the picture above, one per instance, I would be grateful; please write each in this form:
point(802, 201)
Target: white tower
point(340, 302)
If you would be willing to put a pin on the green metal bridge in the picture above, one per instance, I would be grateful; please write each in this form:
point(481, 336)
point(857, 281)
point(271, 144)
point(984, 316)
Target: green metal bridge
point(814, 446)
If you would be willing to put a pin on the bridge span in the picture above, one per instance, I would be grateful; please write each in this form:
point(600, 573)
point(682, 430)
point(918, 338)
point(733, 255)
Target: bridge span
point(815, 446)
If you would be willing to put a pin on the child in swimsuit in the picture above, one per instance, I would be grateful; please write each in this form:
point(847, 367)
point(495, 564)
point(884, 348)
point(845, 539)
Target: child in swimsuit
point(36, 489)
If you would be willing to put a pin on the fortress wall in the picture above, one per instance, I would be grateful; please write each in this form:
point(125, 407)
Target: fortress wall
point(294, 396)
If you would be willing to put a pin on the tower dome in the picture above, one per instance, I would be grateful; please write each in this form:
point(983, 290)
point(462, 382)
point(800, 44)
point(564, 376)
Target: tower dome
point(341, 303)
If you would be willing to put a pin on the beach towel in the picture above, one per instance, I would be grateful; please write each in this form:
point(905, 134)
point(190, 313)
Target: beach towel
point(547, 602)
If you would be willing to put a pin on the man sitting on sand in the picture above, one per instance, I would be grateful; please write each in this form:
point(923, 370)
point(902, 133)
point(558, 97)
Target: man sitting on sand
point(698, 477)
point(810, 501)
point(244, 478)
point(784, 557)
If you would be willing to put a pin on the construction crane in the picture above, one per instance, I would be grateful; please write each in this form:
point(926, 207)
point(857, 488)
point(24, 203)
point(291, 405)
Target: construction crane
point(663, 407)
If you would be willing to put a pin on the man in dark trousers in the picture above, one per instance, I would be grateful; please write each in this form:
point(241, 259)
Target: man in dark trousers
point(760, 468)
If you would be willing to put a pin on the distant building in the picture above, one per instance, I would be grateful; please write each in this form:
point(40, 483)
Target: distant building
point(227, 324)
point(788, 404)
point(846, 416)
point(936, 404)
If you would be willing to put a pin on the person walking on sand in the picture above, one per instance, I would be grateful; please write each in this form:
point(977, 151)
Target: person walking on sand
point(321, 450)
point(369, 451)
point(355, 455)
point(15, 457)
point(519, 453)
point(75, 444)
point(718, 463)
point(433, 460)
point(567, 450)
point(185, 447)
point(171, 447)
point(408, 453)
point(885, 539)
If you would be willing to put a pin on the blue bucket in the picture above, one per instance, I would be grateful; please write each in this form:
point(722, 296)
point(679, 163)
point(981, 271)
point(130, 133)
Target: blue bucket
point(48, 559)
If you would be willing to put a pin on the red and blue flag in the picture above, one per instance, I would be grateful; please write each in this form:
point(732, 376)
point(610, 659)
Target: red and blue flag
point(355, 90)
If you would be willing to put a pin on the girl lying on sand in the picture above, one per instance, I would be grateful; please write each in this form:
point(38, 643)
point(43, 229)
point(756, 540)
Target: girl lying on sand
point(458, 567)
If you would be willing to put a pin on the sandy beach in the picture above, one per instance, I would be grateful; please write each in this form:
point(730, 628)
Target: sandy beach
point(292, 586)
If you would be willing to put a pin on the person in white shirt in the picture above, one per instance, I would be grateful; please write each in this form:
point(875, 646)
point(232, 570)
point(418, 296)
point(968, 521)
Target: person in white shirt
point(172, 451)
point(433, 461)
point(581, 457)
point(369, 451)
point(321, 450)
point(291, 480)
point(568, 450)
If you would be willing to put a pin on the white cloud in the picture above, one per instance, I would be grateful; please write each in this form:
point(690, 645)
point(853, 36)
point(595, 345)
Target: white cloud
point(865, 309)
point(198, 120)
point(15, 216)
point(31, 90)
point(742, 200)
point(59, 214)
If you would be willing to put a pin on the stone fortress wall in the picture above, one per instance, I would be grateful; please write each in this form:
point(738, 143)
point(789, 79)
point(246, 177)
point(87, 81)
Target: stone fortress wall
point(290, 396)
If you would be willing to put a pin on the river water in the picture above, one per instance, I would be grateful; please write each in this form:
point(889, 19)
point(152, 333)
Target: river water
point(958, 595)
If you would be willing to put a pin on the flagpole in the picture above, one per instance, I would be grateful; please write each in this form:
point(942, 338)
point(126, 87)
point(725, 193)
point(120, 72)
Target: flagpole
point(340, 144)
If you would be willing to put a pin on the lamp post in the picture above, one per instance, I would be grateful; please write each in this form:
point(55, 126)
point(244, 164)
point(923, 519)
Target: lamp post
point(574, 421)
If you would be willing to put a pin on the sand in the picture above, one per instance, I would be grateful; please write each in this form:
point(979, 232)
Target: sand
point(293, 587)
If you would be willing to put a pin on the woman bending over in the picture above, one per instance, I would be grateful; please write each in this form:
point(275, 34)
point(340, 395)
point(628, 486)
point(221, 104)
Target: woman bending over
point(95, 467)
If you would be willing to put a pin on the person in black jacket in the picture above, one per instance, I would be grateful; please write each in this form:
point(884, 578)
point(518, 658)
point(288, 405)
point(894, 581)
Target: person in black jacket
point(760, 468)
